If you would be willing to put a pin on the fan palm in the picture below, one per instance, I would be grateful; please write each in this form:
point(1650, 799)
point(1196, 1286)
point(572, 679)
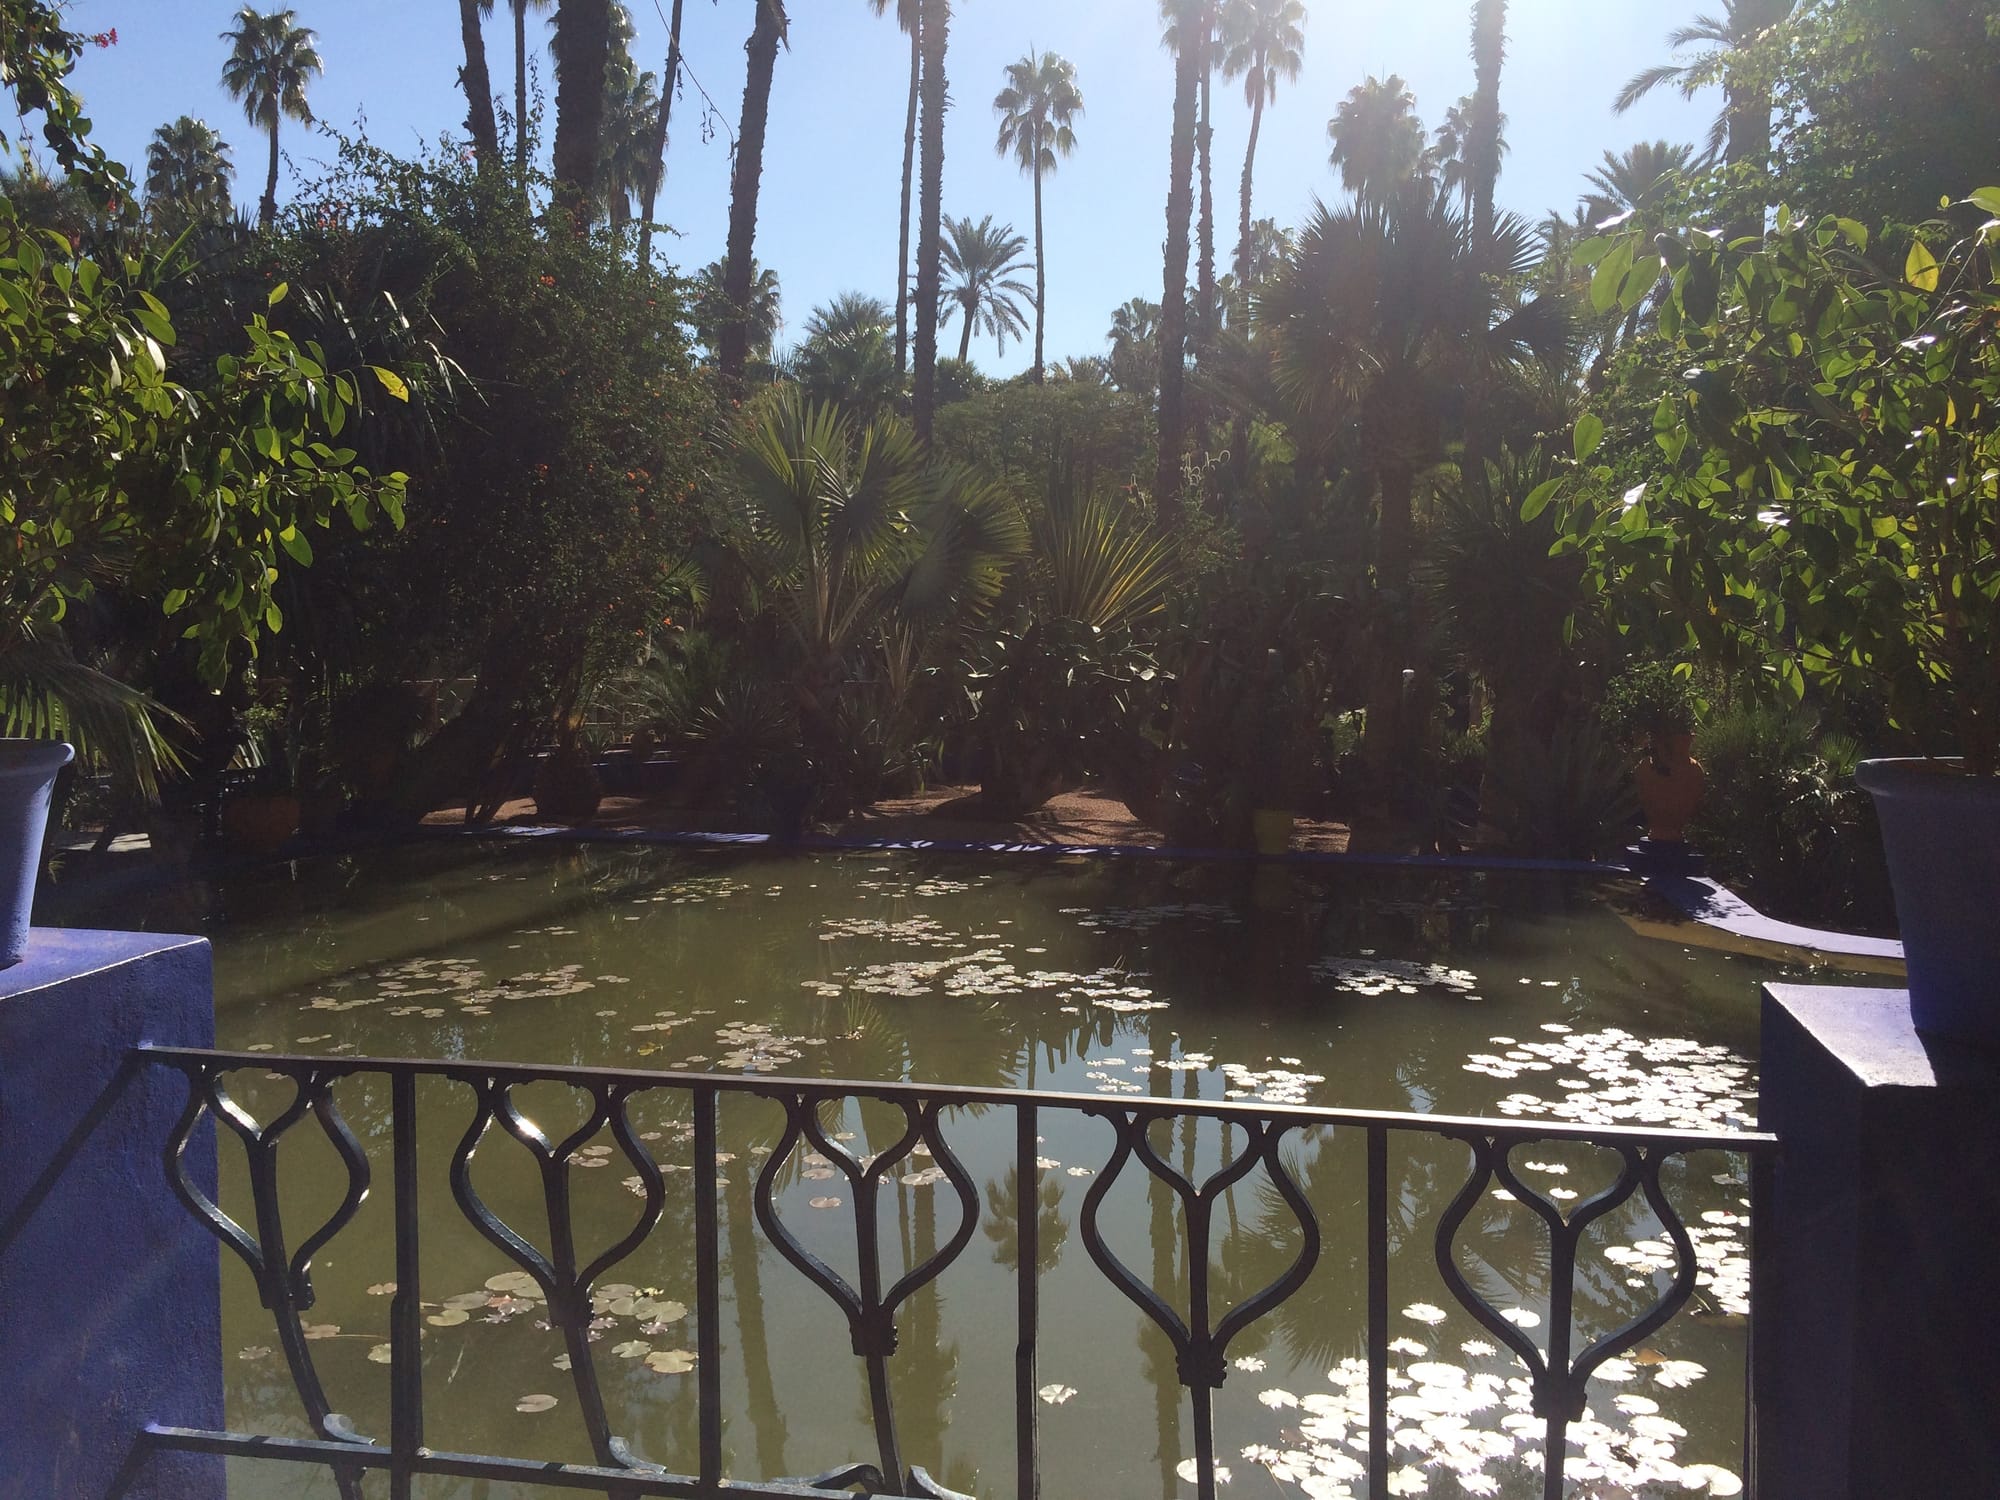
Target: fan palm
point(1636, 181)
point(1264, 41)
point(1378, 141)
point(846, 356)
point(187, 173)
point(628, 166)
point(271, 60)
point(770, 30)
point(1038, 111)
point(909, 16)
point(1382, 320)
point(985, 259)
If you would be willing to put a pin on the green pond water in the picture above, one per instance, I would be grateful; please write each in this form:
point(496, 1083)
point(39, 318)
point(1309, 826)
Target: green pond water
point(1521, 996)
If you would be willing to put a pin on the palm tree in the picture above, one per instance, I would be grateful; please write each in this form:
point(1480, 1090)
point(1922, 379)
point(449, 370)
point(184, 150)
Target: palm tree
point(1265, 41)
point(657, 152)
point(187, 173)
point(1382, 320)
point(1184, 19)
point(628, 167)
point(520, 10)
point(934, 25)
point(1037, 112)
point(1135, 347)
point(846, 356)
point(271, 60)
point(582, 47)
point(909, 16)
point(713, 312)
point(1741, 135)
point(985, 258)
point(1637, 180)
point(477, 83)
point(1450, 149)
point(1378, 141)
point(1489, 52)
point(768, 32)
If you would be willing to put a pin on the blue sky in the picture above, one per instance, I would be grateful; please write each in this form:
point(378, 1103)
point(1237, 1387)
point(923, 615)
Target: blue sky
point(828, 219)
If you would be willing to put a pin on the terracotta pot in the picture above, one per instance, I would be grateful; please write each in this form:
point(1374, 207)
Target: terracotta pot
point(1670, 784)
point(259, 822)
point(1941, 832)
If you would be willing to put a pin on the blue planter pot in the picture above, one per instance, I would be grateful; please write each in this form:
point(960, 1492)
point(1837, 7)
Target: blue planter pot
point(27, 772)
point(1941, 832)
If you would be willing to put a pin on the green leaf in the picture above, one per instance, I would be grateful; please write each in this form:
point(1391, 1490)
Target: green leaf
point(1610, 276)
point(1988, 200)
point(391, 382)
point(294, 542)
point(1589, 435)
point(274, 618)
point(1856, 232)
point(1921, 269)
point(1884, 526)
point(278, 293)
point(1539, 498)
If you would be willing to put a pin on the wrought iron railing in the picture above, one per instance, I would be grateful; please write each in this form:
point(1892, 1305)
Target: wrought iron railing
point(1558, 1372)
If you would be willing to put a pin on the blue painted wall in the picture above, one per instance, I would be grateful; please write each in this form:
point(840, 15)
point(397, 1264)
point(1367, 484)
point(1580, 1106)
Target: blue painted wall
point(109, 1290)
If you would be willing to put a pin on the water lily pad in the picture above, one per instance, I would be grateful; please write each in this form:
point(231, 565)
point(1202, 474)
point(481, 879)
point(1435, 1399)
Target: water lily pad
point(534, 1403)
point(382, 1289)
point(632, 1349)
point(670, 1361)
point(515, 1284)
point(318, 1331)
point(824, 1203)
point(467, 1301)
point(1055, 1395)
point(379, 1354)
point(1424, 1312)
point(448, 1317)
point(1719, 1480)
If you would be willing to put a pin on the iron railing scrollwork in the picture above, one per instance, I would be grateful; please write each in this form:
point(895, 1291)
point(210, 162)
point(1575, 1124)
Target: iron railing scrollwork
point(568, 1272)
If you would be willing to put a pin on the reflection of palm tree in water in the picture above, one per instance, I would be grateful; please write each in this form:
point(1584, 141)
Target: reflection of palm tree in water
point(746, 1285)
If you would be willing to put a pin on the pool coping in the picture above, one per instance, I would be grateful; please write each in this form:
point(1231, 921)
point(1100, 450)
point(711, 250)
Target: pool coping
point(1703, 903)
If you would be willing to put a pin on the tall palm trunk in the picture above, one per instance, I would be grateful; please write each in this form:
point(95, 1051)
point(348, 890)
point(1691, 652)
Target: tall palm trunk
point(1489, 51)
point(267, 211)
point(1249, 167)
point(1041, 266)
point(1173, 295)
point(748, 178)
point(965, 334)
point(1747, 106)
point(909, 176)
point(1388, 735)
point(478, 85)
point(930, 209)
point(659, 154)
point(521, 89)
point(583, 27)
point(1205, 269)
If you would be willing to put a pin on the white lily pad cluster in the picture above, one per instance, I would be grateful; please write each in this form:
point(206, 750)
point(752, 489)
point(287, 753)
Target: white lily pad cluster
point(1274, 1085)
point(1722, 1261)
point(1613, 1077)
point(1392, 976)
point(1471, 1418)
point(1147, 918)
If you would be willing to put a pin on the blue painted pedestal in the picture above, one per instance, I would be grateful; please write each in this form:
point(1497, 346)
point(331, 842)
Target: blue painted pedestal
point(109, 1290)
point(1877, 1304)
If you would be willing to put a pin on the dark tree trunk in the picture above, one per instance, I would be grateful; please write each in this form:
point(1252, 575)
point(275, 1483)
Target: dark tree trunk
point(1173, 298)
point(1747, 106)
point(659, 156)
point(478, 85)
point(1041, 264)
point(521, 90)
point(930, 210)
point(267, 211)
point(1489, 52)
point(965, 338)
point(1388, 737)
point(1205, 267)
point(909, 177)
point(765, 36)
point(1249, 167)
point(583, 35)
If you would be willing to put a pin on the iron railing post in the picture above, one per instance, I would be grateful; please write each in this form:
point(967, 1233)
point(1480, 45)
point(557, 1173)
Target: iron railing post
point(406, 1353)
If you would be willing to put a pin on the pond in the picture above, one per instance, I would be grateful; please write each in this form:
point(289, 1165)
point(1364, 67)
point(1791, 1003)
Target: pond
point(1518, 995)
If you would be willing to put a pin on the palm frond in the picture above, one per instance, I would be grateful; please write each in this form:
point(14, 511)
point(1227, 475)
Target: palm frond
point(1105, 568)
point(46, 693)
